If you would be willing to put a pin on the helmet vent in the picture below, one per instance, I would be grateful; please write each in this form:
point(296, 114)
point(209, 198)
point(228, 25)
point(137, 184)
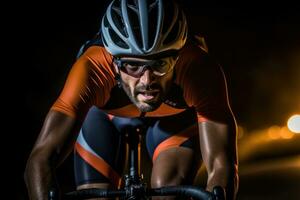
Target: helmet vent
point(115, 37)
point(133, 5)
point(172, 36)
point(117, 18)
point(106, 24)
point(134, 22)
point(168, 19)
point(153, 15)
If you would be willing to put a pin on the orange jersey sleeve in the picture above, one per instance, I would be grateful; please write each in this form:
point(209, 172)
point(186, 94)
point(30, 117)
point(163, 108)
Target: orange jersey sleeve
point(88, 83)
point(203, 83)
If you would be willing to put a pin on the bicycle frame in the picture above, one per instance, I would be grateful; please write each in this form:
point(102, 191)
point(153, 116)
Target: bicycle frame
point(134, 188)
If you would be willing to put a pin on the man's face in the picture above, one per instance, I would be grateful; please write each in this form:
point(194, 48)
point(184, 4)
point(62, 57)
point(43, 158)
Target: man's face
point(146, 82)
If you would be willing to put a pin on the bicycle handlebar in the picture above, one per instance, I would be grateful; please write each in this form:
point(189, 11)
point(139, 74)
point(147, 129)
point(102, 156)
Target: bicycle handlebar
point(186, 191)
point(94, 193)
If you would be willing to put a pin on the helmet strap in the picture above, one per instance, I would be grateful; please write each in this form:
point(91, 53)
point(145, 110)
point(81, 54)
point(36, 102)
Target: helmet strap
point(118, 78)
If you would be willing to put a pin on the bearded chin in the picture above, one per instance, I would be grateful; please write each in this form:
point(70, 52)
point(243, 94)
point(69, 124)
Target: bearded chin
point(148, 107)
point(142, 106)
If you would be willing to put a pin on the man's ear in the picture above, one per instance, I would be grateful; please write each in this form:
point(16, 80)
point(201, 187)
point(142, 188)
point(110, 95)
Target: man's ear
point(115, 67)
point(117, 76)
point(117, 70)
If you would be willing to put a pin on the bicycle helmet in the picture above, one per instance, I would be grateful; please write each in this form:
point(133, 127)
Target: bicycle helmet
point(143, 28)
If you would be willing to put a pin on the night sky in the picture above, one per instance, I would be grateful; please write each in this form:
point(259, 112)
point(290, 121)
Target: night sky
point(259, 48)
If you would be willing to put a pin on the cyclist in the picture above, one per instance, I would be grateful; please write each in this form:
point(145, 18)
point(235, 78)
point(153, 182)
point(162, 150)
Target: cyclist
point(142, 71)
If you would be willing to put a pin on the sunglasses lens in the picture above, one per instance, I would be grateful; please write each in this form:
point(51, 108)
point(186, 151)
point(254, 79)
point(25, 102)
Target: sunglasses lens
point(137, 68)
point(132, 69)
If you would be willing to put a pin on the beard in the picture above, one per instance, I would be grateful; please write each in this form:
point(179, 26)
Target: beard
point(145, 106)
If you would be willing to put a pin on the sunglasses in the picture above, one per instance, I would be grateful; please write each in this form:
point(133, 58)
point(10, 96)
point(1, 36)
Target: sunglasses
point(137, 68)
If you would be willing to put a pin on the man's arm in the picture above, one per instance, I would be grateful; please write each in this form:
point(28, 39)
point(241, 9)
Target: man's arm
point(54, 143)
point(218, 147)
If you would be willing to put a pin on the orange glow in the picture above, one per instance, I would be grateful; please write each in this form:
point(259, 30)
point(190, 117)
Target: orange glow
point(285, 133)
point(273, 132)
point(294, 123)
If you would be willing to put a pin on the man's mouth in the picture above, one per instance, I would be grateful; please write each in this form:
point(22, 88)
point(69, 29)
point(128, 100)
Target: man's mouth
point(147, 95)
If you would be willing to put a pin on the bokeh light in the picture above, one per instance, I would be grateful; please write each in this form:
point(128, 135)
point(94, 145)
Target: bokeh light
point(285, 133)
point(294, 123)
point(273, 132)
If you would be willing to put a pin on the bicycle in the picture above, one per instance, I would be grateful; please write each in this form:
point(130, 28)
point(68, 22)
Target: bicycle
point(135, 188)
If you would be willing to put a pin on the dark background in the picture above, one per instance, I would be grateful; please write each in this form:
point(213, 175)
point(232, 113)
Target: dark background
point(259, 48)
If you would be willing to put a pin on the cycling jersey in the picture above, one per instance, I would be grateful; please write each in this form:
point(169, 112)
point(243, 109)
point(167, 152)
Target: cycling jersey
point(198, 83)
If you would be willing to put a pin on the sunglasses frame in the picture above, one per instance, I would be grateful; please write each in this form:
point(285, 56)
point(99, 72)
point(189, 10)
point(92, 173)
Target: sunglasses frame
point(120, 64)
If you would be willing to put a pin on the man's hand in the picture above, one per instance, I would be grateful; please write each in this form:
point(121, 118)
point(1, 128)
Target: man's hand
point(219, 193)
point(53, 194)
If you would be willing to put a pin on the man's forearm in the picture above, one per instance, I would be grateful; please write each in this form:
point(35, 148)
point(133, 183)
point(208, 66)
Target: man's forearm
point(38, 178)
point(226, 178)
point(55, 142)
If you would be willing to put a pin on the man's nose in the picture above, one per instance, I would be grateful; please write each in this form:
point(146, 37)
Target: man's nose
point(147, 77)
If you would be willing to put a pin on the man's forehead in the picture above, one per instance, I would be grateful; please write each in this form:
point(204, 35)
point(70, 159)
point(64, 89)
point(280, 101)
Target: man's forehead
point(136, 59)
point(161, 56)
point(139, 59)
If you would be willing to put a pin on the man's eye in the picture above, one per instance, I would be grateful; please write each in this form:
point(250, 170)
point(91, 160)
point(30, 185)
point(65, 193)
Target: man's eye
point(160, 66)
point(131, 66)
point(159, 63)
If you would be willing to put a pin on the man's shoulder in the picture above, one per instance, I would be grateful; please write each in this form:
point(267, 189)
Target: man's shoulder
point(96, 51)
point(192, 55)
point(195, 65)
point(97, 56)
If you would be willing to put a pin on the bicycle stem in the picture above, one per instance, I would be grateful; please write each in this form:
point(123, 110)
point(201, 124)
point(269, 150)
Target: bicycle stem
point(134, 141)
point(134, 155)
